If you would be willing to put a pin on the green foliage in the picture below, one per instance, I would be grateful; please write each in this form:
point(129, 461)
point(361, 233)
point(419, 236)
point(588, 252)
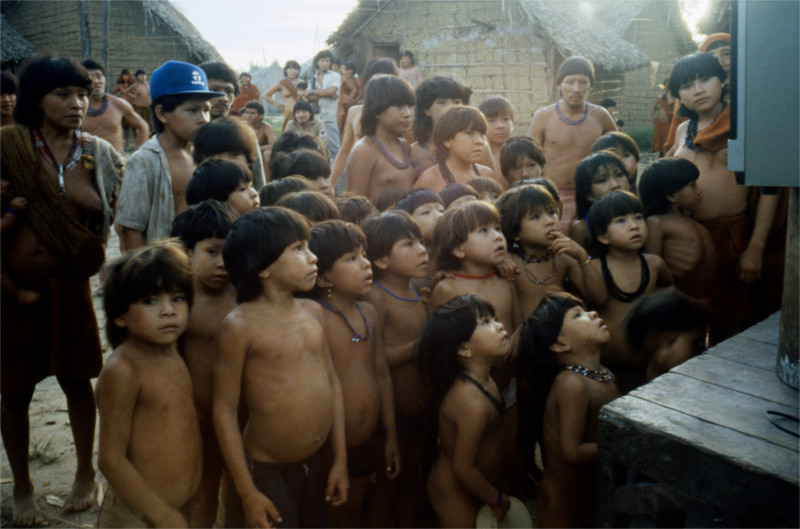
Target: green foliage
point(643, 137)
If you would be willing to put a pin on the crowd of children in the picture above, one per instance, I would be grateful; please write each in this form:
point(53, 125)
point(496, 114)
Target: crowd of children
point(379, 357)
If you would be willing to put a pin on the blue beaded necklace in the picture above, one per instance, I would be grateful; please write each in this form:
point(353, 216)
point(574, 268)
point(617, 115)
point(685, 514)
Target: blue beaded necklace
point(405, 164)
point(395, 295)
point(356, 337)
point(571, 122)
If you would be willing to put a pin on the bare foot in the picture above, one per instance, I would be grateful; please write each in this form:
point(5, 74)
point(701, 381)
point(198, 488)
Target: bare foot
point(82, 496)
point(27, 297)
point(26, 511)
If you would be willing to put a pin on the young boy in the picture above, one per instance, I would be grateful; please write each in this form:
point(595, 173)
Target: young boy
point(142, 97)
point(382, 158)
point(521, 158)
point(150, 448)
point(226, 181)
point(500, 124)
point(232, 139)
point(669, 191)
point(425, 207)
point(254, 116)
point(153, 190)
point(559, 347)
point(272, 356)
point(398, 255)
point(353, 332)
point(617, 223)
point(202, 229)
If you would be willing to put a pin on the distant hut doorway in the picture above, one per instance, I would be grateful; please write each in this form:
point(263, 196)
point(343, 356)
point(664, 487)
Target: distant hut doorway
point(390, 50)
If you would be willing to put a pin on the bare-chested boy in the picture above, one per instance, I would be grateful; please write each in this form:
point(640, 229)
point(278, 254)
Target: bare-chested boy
point(272, 356)
point(202, 229)
point(106, 113)
point(567, 129)
point(140, 91)
point(150, 448)
point(254, 116)
point(697, 80)
point(382, 159)
point(153, 191)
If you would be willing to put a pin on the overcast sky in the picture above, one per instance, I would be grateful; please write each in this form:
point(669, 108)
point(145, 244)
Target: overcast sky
point(259, 31)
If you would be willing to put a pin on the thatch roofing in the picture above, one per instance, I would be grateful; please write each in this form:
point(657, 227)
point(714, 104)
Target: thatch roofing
point(175, 20)
point(13, 45)
point(592, 29)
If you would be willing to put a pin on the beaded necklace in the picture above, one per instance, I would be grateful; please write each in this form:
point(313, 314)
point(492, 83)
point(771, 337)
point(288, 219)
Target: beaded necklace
point(614, 290)
point(533, 279)
point(406, 157)
point(468, 276)
point(532, 259)
point(356, 337)
point(70, 162)
point(395, 295)
point(564, 119)
point(92, 112)
point(601, 375)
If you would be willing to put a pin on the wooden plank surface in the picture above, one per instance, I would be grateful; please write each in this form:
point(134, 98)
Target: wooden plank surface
point(757, 382)
point(746, 352)
point(718, 405)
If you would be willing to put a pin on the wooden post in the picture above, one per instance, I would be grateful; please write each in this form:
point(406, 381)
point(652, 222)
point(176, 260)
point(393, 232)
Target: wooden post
point(106, 16)
point(83, 20)
point(789, 342)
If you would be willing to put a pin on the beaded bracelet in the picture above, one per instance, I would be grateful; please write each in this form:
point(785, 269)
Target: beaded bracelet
point(499, 501)
point(12, 211)
point(587, 261)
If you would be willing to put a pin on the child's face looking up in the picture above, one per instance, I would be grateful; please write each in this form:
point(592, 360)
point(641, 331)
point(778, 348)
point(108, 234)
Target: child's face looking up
point(466, 145)
point(626, 232)
point(408, 258)
point(159, 319)
point(608, 178)
point(581, 329)
point(244, 198)
point(499, 129)
point(489, 339)
point(426, 216)
point(440, 106)
point(702, 94)
point(526, 167)
point(537, 228)
point(484, 245)
point(689, 196)
point(207, 263)
point(350, 275)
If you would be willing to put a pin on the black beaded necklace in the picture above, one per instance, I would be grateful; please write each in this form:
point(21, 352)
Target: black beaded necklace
point(613, 289)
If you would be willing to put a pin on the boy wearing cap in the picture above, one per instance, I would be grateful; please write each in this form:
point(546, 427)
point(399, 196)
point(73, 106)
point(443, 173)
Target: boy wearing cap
point(304, 122)
point(153, 191)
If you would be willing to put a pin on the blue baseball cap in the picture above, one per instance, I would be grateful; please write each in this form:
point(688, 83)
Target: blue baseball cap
point(175, 77)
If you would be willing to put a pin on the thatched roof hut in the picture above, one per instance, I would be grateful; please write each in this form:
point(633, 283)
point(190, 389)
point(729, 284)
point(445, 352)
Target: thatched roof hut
point(15, 48)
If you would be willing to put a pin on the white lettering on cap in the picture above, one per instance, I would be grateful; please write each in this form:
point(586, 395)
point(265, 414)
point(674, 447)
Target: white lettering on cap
point(197, 78)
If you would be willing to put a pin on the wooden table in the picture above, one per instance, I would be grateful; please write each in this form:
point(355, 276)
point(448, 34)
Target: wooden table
point(699, 436)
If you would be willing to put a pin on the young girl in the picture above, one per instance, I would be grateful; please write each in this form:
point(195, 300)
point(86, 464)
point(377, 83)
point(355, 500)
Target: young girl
point(623, 146)
point(669, 191)
point(500, 123)
point(547, 258)
point(596, 175)
point(460, 344)
point(459, 137)
point(398, 255)
point(521, 159)
point(226, 181)
point(559, 349)
point(353, 333)
point(617, 222)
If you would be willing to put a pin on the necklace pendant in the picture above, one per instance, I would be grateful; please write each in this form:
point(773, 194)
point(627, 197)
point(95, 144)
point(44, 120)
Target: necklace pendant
point(355, 339)
point(62, 190)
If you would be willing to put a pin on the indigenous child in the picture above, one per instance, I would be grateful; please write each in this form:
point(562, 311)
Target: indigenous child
point(265, 136)
point(11, 210)
point(596, 175)
point(313, 205)
point(154, 187)
point(140, 90)
point(559, 348)
point(309, 164)
point(225, 181)
point(288, 87)
point(202, 229)
point(499, 124)
point(230, 138)
point(425, 207)
point(461, 343)
point(459, 138)
point(457, 193)
point(409, 70)
point(488, 189)
point(355, 208)
point(345, 275)
point(669, 327)
point(547, 257)
point(669, 191)
point(150, 448)
point(273, 191)
point(350, 94)
point(381, 158)
point(620, 233)
point(521, 158)
point(272, 356)
point(398, 255)
point(623, 146)
point(698, 81)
